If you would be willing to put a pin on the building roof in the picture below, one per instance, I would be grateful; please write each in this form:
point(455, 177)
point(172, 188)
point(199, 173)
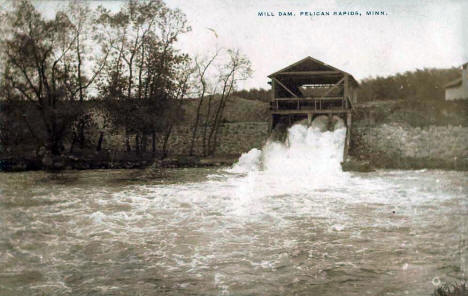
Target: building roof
point(454, 83)
point(308, 65)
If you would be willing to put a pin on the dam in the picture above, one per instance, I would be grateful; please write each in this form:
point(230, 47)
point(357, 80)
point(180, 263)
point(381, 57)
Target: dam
point(310, 88)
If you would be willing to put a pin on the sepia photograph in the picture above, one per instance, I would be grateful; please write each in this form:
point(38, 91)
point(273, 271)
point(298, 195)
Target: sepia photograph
point(221, 147)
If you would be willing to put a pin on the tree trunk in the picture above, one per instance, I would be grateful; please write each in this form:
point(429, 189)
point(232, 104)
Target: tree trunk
point(73, 143)
point(205, 129)
point(137, 143)
point(166, 140)
point(81, 137)
point(54, 145)
point(101, 138)
point(195, 128)
point(144, 143)
point(215, 125)
point(127, 142)
point(153, 142)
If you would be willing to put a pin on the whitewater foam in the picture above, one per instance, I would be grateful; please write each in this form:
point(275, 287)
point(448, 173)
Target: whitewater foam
point(310, 154)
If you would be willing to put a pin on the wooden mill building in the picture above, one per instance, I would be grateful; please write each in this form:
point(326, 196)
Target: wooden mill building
point(309, 88)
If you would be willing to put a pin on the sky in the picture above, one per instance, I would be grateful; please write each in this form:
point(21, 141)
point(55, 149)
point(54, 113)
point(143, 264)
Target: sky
point(410, 35)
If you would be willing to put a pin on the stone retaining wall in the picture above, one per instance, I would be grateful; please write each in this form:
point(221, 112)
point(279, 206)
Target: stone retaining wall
point(394, 143)
point(233, 138)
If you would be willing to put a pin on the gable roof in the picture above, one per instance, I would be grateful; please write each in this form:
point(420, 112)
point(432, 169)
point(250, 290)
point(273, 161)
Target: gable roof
point(310, 64)
point(454, 83)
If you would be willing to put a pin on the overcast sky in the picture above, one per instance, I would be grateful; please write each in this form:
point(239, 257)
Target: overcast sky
point(412, 34)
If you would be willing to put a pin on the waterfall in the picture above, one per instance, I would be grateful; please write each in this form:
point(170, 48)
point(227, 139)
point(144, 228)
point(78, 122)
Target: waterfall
point(307, 151)
point(308, 159)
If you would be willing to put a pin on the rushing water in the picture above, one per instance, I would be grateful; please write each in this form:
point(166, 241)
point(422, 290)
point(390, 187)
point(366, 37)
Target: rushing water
point(284, 220)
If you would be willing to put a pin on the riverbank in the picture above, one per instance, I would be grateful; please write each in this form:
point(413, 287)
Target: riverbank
point(380, 146)
point(383, 136)
point(111, 161)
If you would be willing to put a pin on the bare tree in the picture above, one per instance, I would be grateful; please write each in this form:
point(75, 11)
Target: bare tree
point(201, 70)
point(87, 60)
point(181, 87)
point(237, 68)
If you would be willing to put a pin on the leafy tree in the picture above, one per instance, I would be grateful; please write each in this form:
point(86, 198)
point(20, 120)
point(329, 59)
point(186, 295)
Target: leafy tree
point(142, 73)
point(38, 70)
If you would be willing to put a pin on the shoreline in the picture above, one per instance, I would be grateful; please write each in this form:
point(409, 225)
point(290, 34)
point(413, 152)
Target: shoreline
point(184, 161)
point(93, 163)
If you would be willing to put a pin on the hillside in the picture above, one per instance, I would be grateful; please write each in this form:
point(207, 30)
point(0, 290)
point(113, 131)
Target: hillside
point(237, 110)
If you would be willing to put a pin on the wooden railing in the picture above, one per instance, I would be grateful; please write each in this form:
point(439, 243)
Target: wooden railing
point(314, 104)
point(317, 92)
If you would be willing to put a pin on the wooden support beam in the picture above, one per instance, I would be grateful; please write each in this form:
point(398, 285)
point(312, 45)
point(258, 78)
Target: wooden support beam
point(304, 111)
point(273, 122)
point(348, 135)
point(346, 86)
point(273, 89)
point(309, 99)
point(334, 86)
point(284, 86)
point(310, 73)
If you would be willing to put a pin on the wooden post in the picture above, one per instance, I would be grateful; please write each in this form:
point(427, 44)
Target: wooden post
point(348, 135)
point(273, 89)
point(346, 88)
point(273, 95)
point(309, 119)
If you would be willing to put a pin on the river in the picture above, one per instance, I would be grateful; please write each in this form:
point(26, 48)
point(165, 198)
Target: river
point(284, 220)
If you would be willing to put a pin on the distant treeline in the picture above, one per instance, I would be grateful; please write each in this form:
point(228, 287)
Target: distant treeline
point(419, 98)
point(418, 86)
point(259, 94)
